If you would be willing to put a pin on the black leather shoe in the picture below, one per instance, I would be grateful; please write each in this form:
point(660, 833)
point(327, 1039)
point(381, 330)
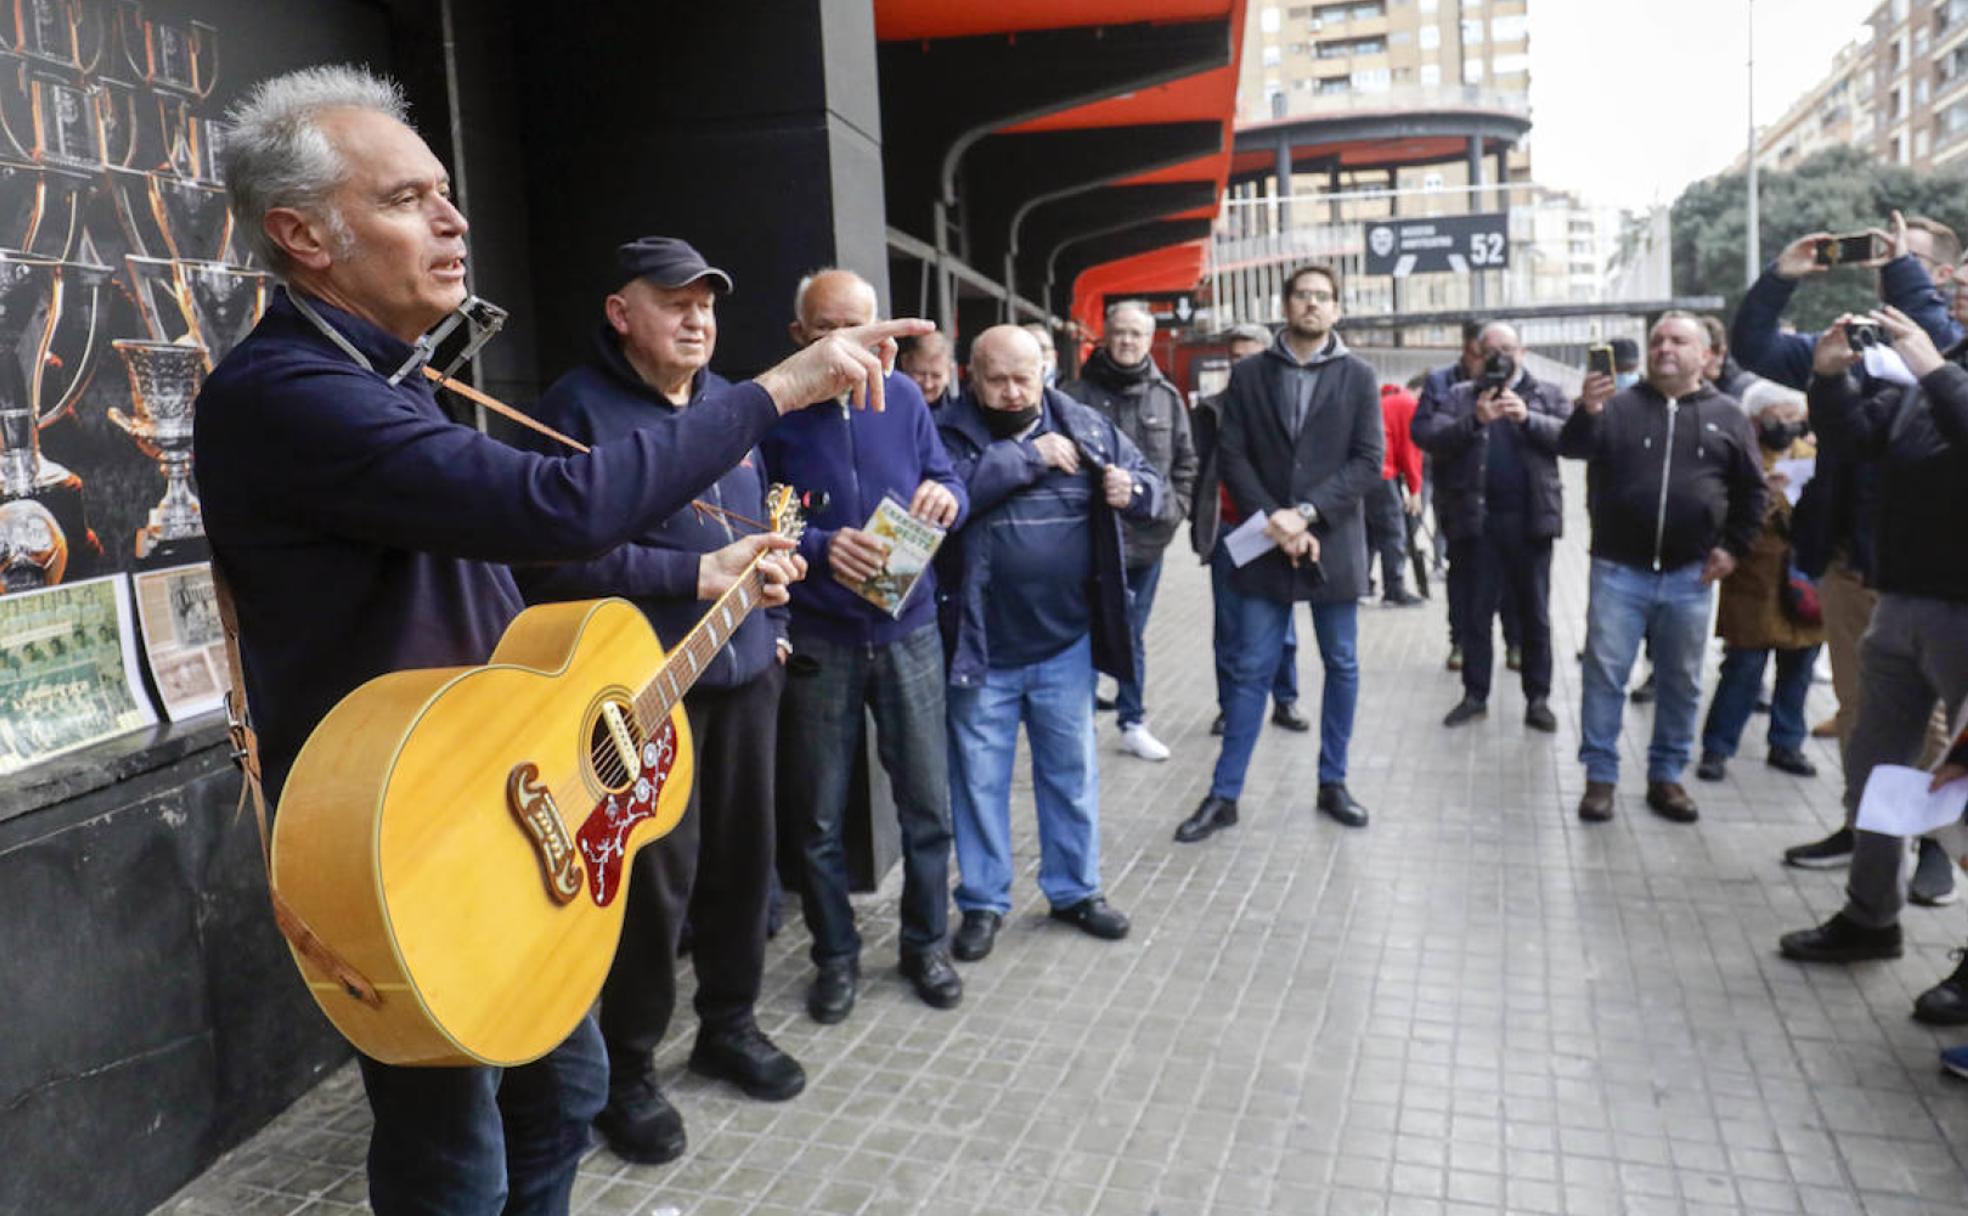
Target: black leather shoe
point(1792, 762)
point(742, 1055)
point(1214, 814)
point(1513, 658)
point(935, 980)
point(1538, 716)
point(1093, 915)
point(1833, 851)
point(1403, 598)
point(1840, 940)
point(1713, 767)
point(976, 935)
point(1643, 695)
point(639, 1123)
point(1946, 1003)
point(1285, 714)
point(831, 997)
point(1336, 802)
point(1466, 710)
point(1103, 704)
point(1216, 726)
point(1596, 804)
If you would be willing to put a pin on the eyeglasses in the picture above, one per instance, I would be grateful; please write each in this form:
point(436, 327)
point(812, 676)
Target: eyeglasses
point(1313, 297)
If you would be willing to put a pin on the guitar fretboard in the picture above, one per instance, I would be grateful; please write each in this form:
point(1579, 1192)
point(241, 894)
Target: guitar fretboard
point(692, 656)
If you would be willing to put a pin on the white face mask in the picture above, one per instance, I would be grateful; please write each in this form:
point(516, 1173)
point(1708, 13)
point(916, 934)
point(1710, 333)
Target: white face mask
point(1626, 379)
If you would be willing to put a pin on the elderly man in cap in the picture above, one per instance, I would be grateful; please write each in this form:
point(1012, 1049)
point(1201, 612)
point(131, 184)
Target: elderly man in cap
point(651, 360)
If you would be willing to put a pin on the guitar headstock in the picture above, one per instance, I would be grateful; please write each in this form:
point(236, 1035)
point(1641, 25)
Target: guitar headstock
point(787, 509)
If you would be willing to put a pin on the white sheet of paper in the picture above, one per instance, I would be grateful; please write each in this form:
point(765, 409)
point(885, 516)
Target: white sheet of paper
point(1896, 802)
point(1884, 363)
point(1249, 542)
point(1800, 472)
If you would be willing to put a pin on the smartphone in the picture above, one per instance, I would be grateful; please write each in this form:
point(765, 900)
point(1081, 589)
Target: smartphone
point(1599, 360)
point(1852, 249)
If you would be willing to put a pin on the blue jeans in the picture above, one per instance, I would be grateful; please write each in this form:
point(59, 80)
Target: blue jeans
point(1142, 581)
point(820, 729)
point(484, 1141)
point(1670, 611)
point(1224, 641)
point(1054, 699)
point(1261, 628)
point(1735, 698)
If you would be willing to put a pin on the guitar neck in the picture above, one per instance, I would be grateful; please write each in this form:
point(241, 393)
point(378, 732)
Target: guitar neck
point(691, 657)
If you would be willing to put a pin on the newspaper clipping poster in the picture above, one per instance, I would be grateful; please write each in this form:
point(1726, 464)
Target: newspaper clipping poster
point(68, 670)
point(179, 613)
point(910, 542)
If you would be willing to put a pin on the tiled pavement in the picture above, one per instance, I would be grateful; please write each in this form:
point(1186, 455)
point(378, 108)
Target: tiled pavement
point(1477, 1005)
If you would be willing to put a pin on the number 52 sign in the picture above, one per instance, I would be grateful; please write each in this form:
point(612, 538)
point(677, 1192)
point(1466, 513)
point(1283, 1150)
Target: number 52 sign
point(1448, 243)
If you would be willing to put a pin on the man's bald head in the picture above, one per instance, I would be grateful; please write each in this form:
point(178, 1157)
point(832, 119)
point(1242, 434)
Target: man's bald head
point(1007, 368)
point(832, 299)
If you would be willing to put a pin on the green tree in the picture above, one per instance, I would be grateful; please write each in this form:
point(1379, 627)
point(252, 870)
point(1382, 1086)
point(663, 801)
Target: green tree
point(1838, 190)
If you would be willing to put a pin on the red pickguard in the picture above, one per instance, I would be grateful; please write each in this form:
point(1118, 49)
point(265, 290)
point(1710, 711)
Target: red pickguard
point(604, 837)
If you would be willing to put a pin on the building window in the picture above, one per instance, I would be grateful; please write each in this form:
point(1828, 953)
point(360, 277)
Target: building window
point(1425, 6)
point(1431, 74)
point(1510, 65)
point(1333, 84)
point(1272, 56)
point(1353, 46)
point(1920, 87)
point(1920, 145)
point(1268, 20)
point(1431, 37)
point(1508, 28)
point(1472, 71)
point(1371, 80)
point(1472, 32)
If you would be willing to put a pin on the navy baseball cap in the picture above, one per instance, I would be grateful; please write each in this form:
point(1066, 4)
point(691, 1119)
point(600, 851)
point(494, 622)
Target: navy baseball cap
point(668, 262)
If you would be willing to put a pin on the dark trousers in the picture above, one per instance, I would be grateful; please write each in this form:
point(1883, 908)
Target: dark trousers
point(1462, 601)
point(1504, 563)
point(1387, 535)
point(726, 840)
point(483, 1141)
point(820, 729)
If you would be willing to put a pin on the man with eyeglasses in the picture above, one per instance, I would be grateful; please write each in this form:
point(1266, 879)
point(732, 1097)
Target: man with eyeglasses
point(1302, 445)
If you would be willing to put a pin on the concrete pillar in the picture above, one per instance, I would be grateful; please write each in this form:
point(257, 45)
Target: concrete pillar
point(1477, 297)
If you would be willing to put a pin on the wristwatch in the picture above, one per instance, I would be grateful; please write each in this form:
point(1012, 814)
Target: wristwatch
point(1309, 513)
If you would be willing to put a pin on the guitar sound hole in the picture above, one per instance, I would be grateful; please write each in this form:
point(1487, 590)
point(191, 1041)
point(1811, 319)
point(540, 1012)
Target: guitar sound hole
point(615, 771)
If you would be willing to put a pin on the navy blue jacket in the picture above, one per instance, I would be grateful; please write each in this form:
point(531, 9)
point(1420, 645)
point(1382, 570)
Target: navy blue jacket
point(364, 532)
point(1838, 508)
point(1447, 430)
point(854, 457)
point(606, 400)
point(994, 471)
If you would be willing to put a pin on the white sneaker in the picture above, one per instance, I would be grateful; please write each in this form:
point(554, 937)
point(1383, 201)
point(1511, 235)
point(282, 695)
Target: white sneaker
point(1136, 739)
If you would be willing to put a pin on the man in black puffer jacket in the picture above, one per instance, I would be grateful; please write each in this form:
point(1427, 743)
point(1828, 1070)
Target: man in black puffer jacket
point(1916, 648)
point(1676, 497)
point(1498, 497)
point(1122, 382)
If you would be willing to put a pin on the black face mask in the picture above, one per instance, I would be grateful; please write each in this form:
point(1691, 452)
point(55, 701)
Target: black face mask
point(1003, 424)
point(1777, 435)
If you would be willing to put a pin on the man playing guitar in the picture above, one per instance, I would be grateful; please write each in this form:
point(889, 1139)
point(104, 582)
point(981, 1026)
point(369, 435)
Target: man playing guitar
point(363, 532)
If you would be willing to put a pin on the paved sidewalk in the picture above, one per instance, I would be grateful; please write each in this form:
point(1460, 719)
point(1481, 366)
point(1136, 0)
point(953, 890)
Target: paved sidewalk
point(1477, 1005)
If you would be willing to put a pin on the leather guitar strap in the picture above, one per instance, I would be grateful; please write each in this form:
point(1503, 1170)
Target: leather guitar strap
point(246, 753)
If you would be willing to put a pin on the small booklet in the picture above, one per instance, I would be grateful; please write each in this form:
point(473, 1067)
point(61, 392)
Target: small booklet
point(910, 542)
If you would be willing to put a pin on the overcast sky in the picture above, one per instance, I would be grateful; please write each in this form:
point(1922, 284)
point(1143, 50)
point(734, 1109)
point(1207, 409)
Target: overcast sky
point(1631, 102)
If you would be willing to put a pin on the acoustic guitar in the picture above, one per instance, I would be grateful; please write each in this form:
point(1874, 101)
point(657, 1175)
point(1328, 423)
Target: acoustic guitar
point(461, 837)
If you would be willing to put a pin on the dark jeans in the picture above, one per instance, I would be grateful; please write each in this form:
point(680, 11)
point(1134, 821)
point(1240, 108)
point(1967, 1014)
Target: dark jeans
point(1142, 581)
point(1736, 689)
point(1225, 643)
point(483, 1141)
point(1387, 535)
point(1504, 564)
point(726, 839)
point(1261, 632)
point(821, 723)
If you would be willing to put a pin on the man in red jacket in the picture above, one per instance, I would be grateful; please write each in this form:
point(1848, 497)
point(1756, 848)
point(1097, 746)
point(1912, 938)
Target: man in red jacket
point(1398, 497)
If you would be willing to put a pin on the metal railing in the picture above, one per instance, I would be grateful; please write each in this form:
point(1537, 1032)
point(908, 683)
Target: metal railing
point(1304, 104)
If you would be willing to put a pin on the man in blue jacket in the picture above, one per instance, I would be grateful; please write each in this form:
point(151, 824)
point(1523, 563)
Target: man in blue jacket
point(364, 532)
point(851, 658)
point(1833, 525)
point(1038, 600)
point(651, 360)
